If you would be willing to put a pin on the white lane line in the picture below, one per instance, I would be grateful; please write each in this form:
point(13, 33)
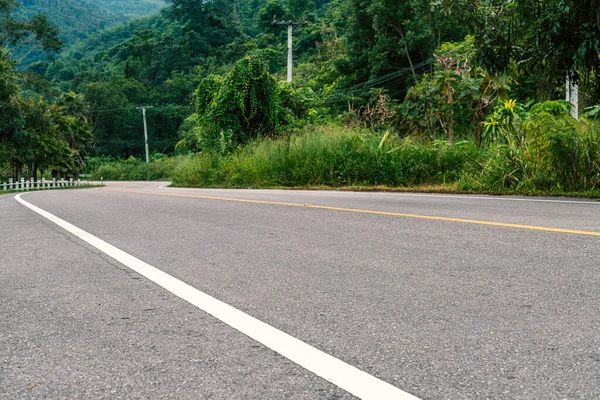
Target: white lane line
point(341, 374)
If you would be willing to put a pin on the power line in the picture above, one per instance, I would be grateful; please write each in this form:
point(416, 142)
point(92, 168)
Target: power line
point(396, 77)
point(133, 107)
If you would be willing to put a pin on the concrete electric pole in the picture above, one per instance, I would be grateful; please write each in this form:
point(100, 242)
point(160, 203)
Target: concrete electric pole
point(145, 131)
point(290, 27)
point(573, 97)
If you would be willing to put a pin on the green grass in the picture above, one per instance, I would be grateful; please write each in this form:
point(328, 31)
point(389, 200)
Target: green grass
point(136, 170)
point(331, 157)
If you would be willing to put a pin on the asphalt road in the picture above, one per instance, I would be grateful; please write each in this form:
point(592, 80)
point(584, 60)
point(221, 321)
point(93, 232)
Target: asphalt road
point(487, 298)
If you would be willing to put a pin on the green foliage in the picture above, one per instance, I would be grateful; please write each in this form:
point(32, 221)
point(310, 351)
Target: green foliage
point(132, 169)
point(544, 41)
point(78, 19)
point(36, 135)
point(542, 150)
point(298, 104)
point(329, 156)
point(454, 97)
point(209, 24)
point(385, 36)
point(354, 55)
point(51, 138)
point(22, 36)
point(377, 115)
point(504, 122)
point(207, 91)
point(245, 107)
point(189, 134)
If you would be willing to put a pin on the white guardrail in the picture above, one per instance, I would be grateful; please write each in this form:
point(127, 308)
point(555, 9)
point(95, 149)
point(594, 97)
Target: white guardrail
point(32, 184)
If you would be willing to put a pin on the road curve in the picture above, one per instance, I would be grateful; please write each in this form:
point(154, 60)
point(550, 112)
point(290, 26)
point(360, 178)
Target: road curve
point(440, 296)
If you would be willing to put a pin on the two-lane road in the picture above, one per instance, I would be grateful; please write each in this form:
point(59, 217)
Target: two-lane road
point(442, 297)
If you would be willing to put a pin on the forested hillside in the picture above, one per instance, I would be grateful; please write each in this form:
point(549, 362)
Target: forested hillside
point(76, 19)
point(490, 73)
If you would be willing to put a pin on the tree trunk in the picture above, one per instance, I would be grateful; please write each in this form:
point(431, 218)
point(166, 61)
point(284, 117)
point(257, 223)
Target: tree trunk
point(412, 68)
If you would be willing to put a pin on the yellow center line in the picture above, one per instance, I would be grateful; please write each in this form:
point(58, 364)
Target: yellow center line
point(362, 211)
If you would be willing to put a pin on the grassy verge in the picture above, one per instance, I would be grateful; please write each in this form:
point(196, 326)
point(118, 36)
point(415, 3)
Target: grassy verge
point(330, 157)
point(137, 170)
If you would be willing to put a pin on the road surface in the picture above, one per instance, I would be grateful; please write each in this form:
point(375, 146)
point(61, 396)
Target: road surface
point(441, 297)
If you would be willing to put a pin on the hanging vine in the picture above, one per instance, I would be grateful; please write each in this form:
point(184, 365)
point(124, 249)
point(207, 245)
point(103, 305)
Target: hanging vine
point(245, 106)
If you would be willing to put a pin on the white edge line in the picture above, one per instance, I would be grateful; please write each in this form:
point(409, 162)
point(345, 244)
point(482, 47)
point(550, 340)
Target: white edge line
point(467, 197)
point(405, 194)
point(341, 374)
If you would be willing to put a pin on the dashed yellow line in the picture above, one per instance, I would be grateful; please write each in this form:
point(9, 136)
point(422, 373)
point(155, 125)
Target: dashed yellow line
point(373, 212)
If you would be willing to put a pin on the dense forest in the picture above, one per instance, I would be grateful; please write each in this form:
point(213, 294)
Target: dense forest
point(483, 75)
point(77, 19)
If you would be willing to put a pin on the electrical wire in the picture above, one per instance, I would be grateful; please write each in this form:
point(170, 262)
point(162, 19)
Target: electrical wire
point(134, 107)
point(395, 78)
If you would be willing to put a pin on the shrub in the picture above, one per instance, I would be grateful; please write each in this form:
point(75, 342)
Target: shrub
point(132, 169)
point(542, 150)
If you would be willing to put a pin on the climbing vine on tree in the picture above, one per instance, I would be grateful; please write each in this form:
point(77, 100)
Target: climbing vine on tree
point(246, 106)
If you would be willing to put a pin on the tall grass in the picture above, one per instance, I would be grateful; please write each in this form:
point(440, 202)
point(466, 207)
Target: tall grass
point(330, 156)
point(546, 152)
point(133, 169)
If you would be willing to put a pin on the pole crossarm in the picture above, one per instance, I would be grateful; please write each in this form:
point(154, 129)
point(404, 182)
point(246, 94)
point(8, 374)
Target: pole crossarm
point(293, 23)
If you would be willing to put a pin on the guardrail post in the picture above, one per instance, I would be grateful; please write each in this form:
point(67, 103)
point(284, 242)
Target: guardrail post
point(22, 183)
point(53, 183)
point(10, 183)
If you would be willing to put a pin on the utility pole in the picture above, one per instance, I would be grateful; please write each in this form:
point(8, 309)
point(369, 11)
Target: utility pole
point(290, 27)
point(145, 131)
point(573, 97)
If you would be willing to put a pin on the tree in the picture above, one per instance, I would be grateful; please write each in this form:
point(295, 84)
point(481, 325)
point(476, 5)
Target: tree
point(456, 94)
point(545, 40)
point(72, 115)
point(210, 21)
point(10, 121)
point(245, 106)
point(22, 37)
point(114, 120)
point(387, 37)
point(300, 7)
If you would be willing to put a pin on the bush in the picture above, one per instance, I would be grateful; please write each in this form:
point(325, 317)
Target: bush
point(542, 150)
point(132, 169)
